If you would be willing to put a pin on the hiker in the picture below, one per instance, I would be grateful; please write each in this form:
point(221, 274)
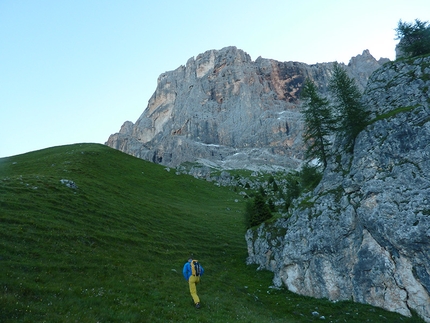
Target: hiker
point(192, 271)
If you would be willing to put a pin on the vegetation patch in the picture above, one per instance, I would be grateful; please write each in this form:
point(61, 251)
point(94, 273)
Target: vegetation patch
point(393, 113)
point(111, 248)
point(306, 202)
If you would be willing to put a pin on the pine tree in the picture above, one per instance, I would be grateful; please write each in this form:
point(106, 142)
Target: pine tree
point(414, 38)
point(261, 208)
point(310, 177)
point(319, 123)
point(350, 112)
point(256, 211)
point(293, 188)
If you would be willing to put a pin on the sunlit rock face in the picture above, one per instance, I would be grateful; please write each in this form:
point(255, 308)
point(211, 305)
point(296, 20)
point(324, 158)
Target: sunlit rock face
point(226, 108)
point(364, 233)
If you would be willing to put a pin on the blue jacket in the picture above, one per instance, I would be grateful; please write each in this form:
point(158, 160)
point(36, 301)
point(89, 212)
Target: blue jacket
point(186, 271)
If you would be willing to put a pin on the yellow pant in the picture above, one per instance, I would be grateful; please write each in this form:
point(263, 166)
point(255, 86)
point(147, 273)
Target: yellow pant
point(193, 281)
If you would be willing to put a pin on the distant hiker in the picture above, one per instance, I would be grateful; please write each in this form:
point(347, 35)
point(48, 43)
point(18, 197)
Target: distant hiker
point(192, 272)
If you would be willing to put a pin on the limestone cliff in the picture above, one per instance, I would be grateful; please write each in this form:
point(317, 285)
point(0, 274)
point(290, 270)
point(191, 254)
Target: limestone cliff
point(230, 110)
point(364, 233)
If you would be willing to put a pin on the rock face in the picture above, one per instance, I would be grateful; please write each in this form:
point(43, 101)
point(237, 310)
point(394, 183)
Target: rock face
point(364, 233)
point(225, 108)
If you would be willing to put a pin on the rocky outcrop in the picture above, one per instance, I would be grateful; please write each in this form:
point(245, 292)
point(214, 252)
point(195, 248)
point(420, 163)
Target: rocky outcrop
point(364, 233)
point(224, 108)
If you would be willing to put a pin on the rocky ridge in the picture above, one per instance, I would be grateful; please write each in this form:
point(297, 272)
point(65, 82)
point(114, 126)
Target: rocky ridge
point(364, 233)
point(224, 110)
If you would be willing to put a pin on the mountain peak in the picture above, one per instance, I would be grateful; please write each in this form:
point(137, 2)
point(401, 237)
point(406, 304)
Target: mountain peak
point(221, 104)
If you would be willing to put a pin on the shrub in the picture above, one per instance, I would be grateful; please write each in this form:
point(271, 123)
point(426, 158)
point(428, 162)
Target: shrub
point(310, 177)
point(299, 182)
point(293, 189)
point(256, 211)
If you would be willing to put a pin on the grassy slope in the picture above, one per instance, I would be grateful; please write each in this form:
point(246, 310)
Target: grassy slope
point(112, 250)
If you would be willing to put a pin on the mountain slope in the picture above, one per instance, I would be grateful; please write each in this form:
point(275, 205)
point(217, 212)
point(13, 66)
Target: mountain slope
point(91, 234)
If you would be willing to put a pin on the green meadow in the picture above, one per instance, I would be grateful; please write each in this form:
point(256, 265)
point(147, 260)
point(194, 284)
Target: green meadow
point(90, 234)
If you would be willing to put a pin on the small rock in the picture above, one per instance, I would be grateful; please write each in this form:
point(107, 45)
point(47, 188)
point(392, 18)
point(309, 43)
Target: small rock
point(69, 183)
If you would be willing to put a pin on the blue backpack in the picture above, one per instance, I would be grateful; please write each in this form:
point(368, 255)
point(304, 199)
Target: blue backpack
point(196, 269)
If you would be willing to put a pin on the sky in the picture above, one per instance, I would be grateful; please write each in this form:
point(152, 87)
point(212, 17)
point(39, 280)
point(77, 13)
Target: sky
point(75, 71)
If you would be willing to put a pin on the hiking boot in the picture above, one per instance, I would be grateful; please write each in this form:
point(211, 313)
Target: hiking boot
point(197, 305)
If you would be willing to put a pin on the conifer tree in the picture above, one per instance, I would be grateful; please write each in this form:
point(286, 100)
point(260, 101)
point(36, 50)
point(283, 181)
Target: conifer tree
point(261, 208)
point(256, 211)
point(319, 123)
point(350, 112)
point(414, 38)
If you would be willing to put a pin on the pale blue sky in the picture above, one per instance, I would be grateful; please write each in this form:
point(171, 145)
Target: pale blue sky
point(74, 71)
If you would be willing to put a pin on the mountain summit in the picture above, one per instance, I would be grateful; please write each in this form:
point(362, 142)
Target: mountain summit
point(226, 109)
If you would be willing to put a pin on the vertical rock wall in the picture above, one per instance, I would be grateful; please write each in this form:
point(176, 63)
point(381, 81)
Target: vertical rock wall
point(364, 233)
point(222, 103)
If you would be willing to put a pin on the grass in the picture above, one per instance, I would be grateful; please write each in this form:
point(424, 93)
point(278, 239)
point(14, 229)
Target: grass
point(393, 113)
point(112, 249)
